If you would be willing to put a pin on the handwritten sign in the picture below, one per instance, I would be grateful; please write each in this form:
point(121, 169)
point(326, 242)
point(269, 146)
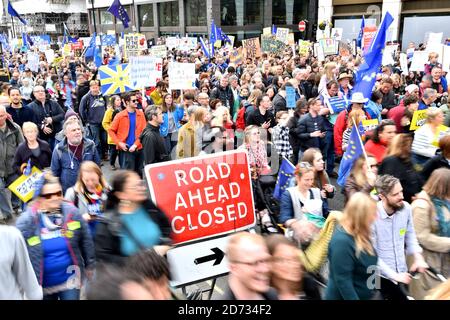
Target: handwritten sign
point(172, 42)
point(181, 76)
point(187, 43)
point(158, 51)
point(303, 47)
point(329, 46)
point(252, 48)
point(336, 104)
point(283, 35)
point(23, 187)
point(404, 63)
point(135, 43)
point(145, 71)
point(267, 31)
point(33, 61)
point(50, 55)
point(418, 119)
point(418, 61)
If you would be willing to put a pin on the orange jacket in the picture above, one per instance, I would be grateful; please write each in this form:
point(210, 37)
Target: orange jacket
point(118, 131)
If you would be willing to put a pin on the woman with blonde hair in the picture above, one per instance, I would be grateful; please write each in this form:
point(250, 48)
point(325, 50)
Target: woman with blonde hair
point(329, 74)
point(356, 114)
point(431, 214)
point(172, 116)
point(351, 255)
point(89, 193)
point(398, 163)
point(425, 143)
point(361, 179)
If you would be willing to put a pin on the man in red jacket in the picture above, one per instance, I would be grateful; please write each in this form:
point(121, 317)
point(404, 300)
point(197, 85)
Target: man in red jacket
point(340, 125)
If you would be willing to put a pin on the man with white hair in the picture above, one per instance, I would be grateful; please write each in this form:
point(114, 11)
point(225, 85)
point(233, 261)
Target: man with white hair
point(10, 138)
point(70, 153)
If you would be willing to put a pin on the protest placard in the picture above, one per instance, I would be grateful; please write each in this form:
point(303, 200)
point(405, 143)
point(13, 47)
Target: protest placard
point(187, 43)
point(181, 76)
point(404, 63)
point(369, 124)
point(270, 44)
point(389, 54)
point(446, 59)
point(282, 35)
point(336, 104)
point(329, 46)
point(336, 33)
point(318, 52)
point(267, 31)
point(344, 49)
point(23, 187)
point(290, 97)
point(33, 61)
point(419, 59)
point(49, 55)
point(369, 34)
point(231, 43)
point(236, 56)
point(303, 47)
point(67, 49)
point(158, 51)
point(434, 38)
point(291, 39)
point(172, 42)
point(204, 196)
point(437, 48)
point(440, 133)
point(252, 48)
point(418, 119)
point(134, 43)
point(145, 71)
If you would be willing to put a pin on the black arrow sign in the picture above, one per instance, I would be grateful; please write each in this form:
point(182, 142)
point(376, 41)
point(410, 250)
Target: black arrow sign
point(218, 256)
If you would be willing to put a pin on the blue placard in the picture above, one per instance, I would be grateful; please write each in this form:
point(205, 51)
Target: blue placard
point(290, 97)
point(108, 40)
point(337, 104)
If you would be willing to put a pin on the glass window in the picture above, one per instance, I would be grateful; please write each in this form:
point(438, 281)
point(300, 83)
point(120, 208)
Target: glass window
point(416, 29)
point(289, 11)
point(240, 12)
point(196, 13)
point(168, 14)
point(146, 15)
point(106, 17)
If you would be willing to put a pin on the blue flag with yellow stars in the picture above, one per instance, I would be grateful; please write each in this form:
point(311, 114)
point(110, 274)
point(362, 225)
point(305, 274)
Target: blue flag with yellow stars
point(353, 152)
point(118, 11)
point(284, 175)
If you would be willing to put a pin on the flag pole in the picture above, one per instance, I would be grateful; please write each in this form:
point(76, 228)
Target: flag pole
point(93, 16)
point(360, 141)
point(12, 25)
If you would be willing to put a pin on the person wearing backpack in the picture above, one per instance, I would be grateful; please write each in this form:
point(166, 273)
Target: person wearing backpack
point(115, 105)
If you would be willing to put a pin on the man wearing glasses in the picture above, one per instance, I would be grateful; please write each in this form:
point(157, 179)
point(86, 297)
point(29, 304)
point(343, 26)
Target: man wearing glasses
point(125, 131)
point(249, 262)
point(48, 116)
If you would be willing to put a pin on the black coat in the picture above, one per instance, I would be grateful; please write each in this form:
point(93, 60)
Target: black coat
point(225, 95)
point(279, 103)
point(436, 162)
point(53, 110)
point(107, 234)
point(153, 147)
point(306, 126)
point(410, 180)
point(23, 154)
point(20, 115)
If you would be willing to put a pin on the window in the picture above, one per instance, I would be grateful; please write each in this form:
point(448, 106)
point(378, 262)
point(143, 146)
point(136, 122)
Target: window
point(228, 12)
point(240, 12)
point(196, 13)
point(106, 17)
point(146, 15)
point(253, 11)
point(168, 14)
point(289, 11)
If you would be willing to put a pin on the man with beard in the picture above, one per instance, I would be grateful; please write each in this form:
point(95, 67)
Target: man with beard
point(394, 238)
point(18, 112)
point(249, 263)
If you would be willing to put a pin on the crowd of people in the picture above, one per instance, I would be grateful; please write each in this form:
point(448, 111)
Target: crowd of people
point(82, 236)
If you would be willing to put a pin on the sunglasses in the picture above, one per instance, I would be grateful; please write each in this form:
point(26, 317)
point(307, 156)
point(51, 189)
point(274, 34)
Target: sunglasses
point(50, 195)
point(134, 101)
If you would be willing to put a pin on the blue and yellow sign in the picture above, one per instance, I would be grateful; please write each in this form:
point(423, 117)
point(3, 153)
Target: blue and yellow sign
point(115, 79)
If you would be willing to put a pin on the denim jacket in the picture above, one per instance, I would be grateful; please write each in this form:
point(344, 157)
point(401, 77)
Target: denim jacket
point(178, 115)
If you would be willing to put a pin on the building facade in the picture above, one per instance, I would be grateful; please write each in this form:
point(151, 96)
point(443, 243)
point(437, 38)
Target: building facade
point(413, 19)
point(241, 18)
point(46, 17)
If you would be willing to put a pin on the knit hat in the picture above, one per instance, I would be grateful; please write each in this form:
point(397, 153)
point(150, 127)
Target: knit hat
point(69, 114)
point(411, 88)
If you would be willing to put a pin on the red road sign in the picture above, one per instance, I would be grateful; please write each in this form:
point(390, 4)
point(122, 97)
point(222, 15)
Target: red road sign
point(204, 196)
point(302, 26)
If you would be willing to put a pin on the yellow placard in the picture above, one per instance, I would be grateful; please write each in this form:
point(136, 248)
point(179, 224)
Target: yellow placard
point(441, 131)
point(74, 225)
point(369, 124)
point(418, 119)
point(66, 49)
point(23, 187)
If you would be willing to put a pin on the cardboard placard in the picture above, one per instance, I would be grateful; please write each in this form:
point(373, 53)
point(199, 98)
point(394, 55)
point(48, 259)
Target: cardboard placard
point(252, 48)
point(23, 187)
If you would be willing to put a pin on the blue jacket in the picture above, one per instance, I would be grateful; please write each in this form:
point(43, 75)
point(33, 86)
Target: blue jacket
point(62, 159)
point(92, 108)
point(78, 237)
point(178, 115)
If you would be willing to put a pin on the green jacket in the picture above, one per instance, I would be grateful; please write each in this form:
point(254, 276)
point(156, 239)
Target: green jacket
point(9, 141)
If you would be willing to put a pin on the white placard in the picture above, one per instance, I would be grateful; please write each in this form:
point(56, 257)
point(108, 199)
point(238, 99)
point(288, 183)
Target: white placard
point(336, 33)
point(33, 61)
point(419, 60)
point(145, 71)
point(404, 63)
point(435, 38)
point(172, 42)
point(319, 52)
point(283, 35)
point(187, 43)
point(50, 55)
point(158, 51)
point(388, 55)
point(446, 59)
point(50, 27)
point(181, 76)
point(436, 47)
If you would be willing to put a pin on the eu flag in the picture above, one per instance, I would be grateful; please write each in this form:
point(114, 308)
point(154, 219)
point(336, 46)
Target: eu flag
point(90, 50)
point(118, 11)
point(213, 37)
point(274, 29)
point(12, 12)
point(284, 175)
point(353, 152)
point(361, 33)
point(366, 74)
point(204, 48)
